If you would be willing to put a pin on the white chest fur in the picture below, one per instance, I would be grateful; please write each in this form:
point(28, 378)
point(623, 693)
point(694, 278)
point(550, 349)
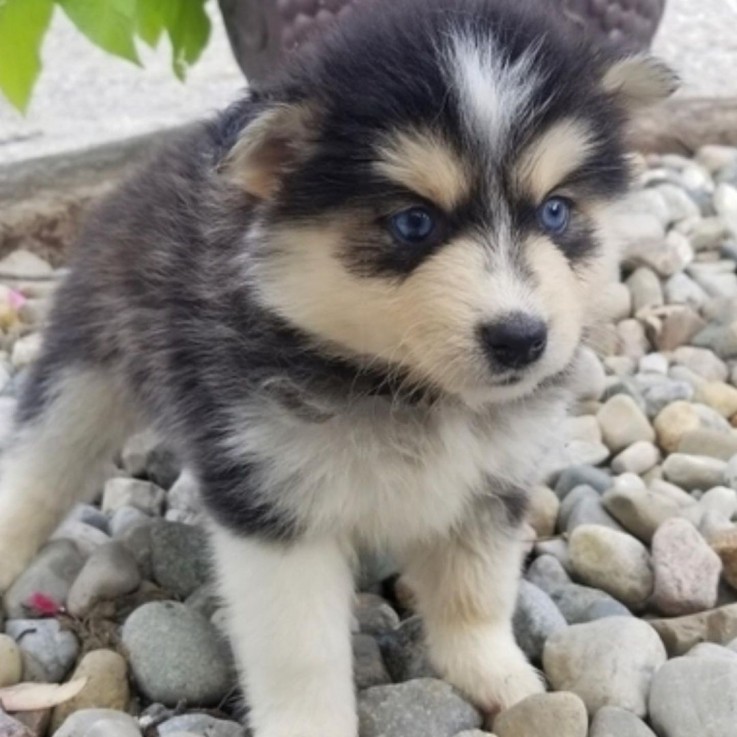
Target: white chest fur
point(383, 475)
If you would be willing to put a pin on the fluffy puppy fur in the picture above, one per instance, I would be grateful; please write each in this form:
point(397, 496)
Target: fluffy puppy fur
point(349, 303)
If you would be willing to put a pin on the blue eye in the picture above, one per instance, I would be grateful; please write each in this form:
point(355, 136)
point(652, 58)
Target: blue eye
point(554, 215)
point(414, 226)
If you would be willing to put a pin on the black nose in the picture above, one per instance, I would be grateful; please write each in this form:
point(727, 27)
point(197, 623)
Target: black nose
point(516, 340)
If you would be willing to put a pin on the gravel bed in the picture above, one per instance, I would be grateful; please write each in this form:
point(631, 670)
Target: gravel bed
point(629, 601)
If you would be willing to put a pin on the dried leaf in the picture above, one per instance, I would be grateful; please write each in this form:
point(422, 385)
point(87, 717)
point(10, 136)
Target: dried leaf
point(34, 696)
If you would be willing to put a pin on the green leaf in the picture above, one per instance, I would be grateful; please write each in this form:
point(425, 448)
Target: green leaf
point(110, 24)
point(189, 31)
point(23, 24)
point(186, 24)
point(150, 20)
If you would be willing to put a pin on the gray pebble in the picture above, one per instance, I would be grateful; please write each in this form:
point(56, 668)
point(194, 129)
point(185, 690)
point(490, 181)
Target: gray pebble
point(404, 651)
point(200, 724)
point(611, 721)
point(557, 548)
point(52, 647)
point(143, 495)
point(589, 377)
point(536, 617)
point(720, 499)
point(654, 363)
point(205, 600)
point(137, 540)
point(721, 310)
point(623, 422)
point(572, 499)
point(717, 284)
point(98, 723)
point(695, 696)
point(708, 234)
point(111, 571)
point(702, 362)
point(638, 458)
point(682, 289)
point(589, 452)
point(543, 715)
point(710, 651)
point(184, 494)
point(687, 570)
point(680, 205)
point(583, 659)
point(86, 537)
point(125, 518)
point(721, 339)
point(421, 708)
point(584, 506)
point(51, 573)
point(180, 557)
point(711, 419)
point(90, 516)
point(694, 472)
point(176, 654)
point(640, 511)
point(581, 604)
point(10, 727)
point(612, 561)
point(146, 455)
point(547, 573)
point(374, 614)
point(712, 443)
point(730, 473)
point(368, 664)
point(645, 288)
point(576, 476)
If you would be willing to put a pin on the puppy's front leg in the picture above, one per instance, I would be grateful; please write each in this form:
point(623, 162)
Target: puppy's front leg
point(466, 588)
point(289, 610)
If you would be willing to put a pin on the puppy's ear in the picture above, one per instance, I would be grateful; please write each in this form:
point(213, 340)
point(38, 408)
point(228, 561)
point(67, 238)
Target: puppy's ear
point(640, 80)
point(270, 146)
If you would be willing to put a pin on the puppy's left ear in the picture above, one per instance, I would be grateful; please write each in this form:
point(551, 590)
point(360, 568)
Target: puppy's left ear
point(640, 80)
point(268, 148)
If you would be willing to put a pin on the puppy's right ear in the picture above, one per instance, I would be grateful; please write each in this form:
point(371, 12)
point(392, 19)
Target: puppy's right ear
point(268, 148)
point(640, 80)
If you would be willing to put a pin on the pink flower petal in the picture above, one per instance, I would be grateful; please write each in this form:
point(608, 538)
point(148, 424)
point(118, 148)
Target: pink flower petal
point(43, 604)
point(17, 300)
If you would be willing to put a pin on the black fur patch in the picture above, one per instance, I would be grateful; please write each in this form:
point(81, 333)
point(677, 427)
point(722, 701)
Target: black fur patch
point(514, 499)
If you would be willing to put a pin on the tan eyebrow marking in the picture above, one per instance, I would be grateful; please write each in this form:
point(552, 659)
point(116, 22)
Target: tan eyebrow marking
point(552, 156)
point(423, 162)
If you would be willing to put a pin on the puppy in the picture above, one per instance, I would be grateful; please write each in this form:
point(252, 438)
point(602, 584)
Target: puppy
point(353, 302)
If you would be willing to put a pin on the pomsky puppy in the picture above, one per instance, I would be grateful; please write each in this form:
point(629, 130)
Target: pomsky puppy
point(354, 302)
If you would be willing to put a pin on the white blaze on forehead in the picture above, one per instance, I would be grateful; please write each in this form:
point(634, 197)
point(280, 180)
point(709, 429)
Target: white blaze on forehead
point(495, 94)
point(510, 289)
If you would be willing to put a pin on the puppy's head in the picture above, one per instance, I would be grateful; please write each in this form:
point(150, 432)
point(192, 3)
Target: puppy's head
point(430, 187)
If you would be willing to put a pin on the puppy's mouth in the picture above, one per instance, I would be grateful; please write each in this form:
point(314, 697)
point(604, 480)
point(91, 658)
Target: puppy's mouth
point(509, 380)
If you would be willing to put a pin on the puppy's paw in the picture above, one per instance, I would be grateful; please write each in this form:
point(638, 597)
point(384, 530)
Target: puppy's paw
point(495, 676)
point(510, 683)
